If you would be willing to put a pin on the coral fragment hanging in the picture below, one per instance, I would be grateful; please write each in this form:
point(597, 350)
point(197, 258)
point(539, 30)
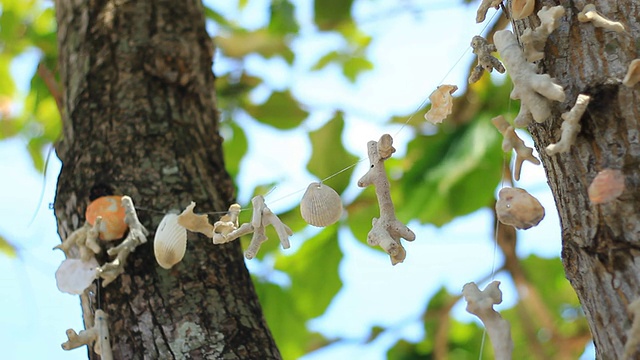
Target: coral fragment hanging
point(441, 104)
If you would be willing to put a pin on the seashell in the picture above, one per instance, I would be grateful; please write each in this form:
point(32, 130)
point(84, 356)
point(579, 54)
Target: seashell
point(521, 9)
point(74, 275)
point(320, 205)
point(170, 241)
point(112, 212)
point(516, 207)
point(606, 186)
point(441, 103)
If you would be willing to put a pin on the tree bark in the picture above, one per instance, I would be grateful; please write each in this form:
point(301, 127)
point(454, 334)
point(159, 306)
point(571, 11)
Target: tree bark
point(600, 243)
point(140, 119)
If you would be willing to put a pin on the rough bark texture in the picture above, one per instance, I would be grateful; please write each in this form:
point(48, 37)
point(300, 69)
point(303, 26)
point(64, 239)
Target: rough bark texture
point(601, 243)
point(140, 118)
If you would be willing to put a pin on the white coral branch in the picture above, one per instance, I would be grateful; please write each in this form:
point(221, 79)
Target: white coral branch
point(480, 304)
point(512, 141)
point(98, 335)
point(534, 40)
point(195, 222)
point(486, 61)
point(590, 14)
point(441, 104)
point(387, 230)
point(484, 7)
point(226, 225)
point(535, 91)
point(570, 126)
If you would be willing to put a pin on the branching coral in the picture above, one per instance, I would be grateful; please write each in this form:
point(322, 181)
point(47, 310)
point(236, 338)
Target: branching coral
point(570, 126)
point(262, 216)
point(512, 141)
point(441, 104)
point(137, 236)
point(534, 90)
point(590, 14)
point(484, 7)
point(633, 335)
point(486, 61)
point(387, 230)
point(480, 304)
point(195, 222)
point(534, 40)
point(516, 207)
point(98, 335)
point(227, 223)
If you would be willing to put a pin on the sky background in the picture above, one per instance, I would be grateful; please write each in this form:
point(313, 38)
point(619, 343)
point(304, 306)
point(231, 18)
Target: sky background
point(413, 53)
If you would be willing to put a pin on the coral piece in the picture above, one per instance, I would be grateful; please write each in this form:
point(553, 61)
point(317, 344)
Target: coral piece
point(387, 230)
point(570, 126)
point(590, 14)
point(521, 9)
point(633, 334)
point(75, 275)
point(633, 74)
point(262, 216)
point(512, 141)
point(607, 186)
point(441, 104)
point(516, 207)
point(320, 205)
point(484, 7)
point(170, 241)
point(112, 213)
point(195, 222)
point(486, 61)
point(137, 236)
point(533, 41)
point(82, 243)
point(98, 335)
point(535, 90)
point(226, 225)
point(480, 304)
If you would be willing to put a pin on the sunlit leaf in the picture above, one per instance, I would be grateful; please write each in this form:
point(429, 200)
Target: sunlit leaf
point(329, 155)
point(332, 56)
point(283, 20)
point(280, 110)
point(328, 14)
point(312, 288)
point(7, 249)
point(239, 44)
point(235, 147)
point(354, 66)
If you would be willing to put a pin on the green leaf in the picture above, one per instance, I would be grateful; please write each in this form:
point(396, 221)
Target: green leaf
point(283, 20)
point(7, 249)
point(452, 173)
point(332, 56)
point(329, 155)
point(354, 66)
point(280, 110)
point(361, 211)
point(313, 271)
point(235, 146)
point(329, 14)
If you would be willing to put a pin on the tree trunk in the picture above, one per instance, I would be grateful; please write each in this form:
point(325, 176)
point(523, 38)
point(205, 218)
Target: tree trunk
point(140, 118)
point(600, 242)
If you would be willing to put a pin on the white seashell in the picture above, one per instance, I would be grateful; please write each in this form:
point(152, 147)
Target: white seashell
point(516, 207)
point(170, 242)
point(74, 275)
point(320, 205)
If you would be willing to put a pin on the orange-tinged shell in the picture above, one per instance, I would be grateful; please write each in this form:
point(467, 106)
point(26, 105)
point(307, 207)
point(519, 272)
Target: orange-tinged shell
point(320, 205)
point(170, 241)
point(516, 207)
point(110, 208)
point(606, 186)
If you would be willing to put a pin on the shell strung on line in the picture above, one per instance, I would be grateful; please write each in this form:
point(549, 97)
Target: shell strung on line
point(606, 186)
point(74, 275)
point(516, 207)
point(320, 205)
point(170, 241)
point(110, 208)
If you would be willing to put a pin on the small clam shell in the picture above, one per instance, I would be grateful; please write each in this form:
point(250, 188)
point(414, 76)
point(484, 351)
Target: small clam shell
point(74, 275)
point(606, 186)
point(518, 208)
point(111, 210)
point(320, 205)
point(170, 242)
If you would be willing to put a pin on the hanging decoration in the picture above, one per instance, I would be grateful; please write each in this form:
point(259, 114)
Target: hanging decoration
point(633, 74)
point(512, 141)
point(486, 61)
point(516, 207)
point(534, 41)
point(441, 104)
point(110, 209)
point(590, 14)
point(170, 241)
point(227, 224)
point(198, 223)
point(480, 303)
point(98, 335)
point(484, 7)
point(320, 205)
point(387, 230)
point(521, 9)
point(607, 186)
point(570, 126)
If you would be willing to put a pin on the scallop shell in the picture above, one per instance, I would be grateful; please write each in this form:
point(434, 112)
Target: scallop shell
point(320, 205)
point(606, 186)
point(110, 208)
point(170, 241)
point(516, 207)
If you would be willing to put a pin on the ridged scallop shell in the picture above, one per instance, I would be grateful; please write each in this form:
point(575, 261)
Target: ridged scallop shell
point(170, 241)
point(110, 208)
point(320, 205)
point(606, 186)
point(516, 207)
